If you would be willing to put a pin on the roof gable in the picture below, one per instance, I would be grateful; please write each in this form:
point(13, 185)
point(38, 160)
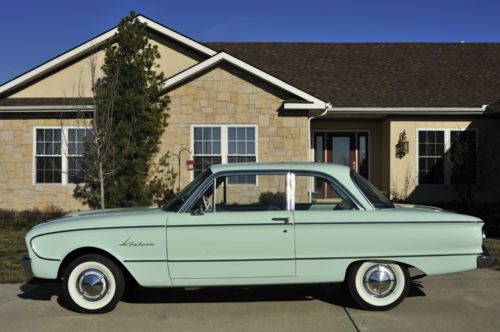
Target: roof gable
point(311, 102)
point(93, 44)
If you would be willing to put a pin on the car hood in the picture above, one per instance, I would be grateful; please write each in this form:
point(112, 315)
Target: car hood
point(111, 218)
point(106, 212)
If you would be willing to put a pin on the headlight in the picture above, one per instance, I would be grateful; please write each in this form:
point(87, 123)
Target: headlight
point(484, 234)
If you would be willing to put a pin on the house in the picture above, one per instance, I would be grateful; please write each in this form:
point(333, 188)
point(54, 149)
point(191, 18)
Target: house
point(390, 111)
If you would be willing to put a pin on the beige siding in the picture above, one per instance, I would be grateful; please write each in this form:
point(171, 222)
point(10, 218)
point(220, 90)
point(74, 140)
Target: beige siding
point(74, 79)
point(403, 175)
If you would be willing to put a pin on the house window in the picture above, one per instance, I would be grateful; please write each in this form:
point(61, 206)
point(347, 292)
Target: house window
point(224, 144)
point(446, 156)
point(58, 155)
point(430, 157)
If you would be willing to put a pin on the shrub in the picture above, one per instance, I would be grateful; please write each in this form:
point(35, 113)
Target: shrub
point(25, 219)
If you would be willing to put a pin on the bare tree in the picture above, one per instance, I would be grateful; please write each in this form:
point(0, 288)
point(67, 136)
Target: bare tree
point(95, 114)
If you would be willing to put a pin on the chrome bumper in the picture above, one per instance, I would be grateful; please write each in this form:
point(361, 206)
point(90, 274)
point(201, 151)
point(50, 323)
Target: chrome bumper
point(484, 259)
point(26, 264)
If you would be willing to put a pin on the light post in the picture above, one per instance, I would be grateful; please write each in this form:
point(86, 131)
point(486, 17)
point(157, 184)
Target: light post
point(178, 156)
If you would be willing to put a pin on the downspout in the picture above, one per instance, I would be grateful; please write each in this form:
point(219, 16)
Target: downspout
point(328, 107)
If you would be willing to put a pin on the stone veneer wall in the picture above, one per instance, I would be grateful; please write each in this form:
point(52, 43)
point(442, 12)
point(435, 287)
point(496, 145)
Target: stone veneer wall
point(220, 96)
point(225, 95)
point(17, 190)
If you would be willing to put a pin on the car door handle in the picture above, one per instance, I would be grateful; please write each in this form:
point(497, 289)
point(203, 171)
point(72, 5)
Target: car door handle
point(284, 219)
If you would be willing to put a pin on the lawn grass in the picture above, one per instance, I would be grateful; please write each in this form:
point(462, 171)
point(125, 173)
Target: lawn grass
point(13, 248)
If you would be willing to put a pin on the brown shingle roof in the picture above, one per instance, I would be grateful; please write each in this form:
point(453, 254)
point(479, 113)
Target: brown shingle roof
point(45, 101)
point(382, 74)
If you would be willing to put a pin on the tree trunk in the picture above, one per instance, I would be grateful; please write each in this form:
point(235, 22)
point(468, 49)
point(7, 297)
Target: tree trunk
point(101, 181)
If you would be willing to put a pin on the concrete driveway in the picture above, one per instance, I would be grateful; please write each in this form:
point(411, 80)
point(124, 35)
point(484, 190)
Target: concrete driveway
point(467, 301)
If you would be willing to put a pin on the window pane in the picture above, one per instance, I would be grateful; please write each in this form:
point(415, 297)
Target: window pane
point(216, 134)
point(197, 134)
point(268, 195)
point(251, 133)
point(232, 134)
point(48, 134)
point(71, 135)
point(39, 135)
point(240, 134)
point(207, 134)
point(197, 148)
point(232, 148)
point(216, 147)
point(251, 147)
point(311, 194)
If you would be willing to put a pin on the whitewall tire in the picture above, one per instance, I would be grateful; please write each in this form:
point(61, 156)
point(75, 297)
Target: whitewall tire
point(93, 284)
point(378, 285)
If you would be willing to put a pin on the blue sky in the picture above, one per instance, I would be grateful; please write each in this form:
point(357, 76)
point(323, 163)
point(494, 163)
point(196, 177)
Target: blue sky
point(32, 32)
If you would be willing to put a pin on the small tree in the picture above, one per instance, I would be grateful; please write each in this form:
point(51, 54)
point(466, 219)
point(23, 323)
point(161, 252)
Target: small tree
point(129, 118)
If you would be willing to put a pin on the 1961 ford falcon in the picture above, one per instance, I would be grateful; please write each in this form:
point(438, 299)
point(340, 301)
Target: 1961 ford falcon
point(253, 224)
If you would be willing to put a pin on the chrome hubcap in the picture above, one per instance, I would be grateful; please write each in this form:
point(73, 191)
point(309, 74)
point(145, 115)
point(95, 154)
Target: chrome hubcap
point(92, 285)
point(379, 280)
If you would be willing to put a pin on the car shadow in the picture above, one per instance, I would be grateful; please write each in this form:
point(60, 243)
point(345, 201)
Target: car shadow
point(335, 294)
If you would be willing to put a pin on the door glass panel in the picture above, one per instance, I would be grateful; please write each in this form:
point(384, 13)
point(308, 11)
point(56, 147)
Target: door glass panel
point(319, 149)
point(269, 194)
point(310, 195)
point(340, 150)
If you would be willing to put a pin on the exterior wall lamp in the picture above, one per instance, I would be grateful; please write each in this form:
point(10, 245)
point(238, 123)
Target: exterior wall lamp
point(403, 146)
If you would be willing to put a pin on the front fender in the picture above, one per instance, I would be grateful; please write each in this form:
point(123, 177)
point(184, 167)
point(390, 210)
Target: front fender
point(142, 250)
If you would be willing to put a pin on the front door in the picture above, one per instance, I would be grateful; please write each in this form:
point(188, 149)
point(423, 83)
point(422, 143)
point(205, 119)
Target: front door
point(343, 148)
point(242, 229)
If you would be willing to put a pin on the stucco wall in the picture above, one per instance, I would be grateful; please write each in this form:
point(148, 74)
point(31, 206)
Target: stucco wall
point(74, 79)
point(225, 95)
point(404, 170)
point(17, 190)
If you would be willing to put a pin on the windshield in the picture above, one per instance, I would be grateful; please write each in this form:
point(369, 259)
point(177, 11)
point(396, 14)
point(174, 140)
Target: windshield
point(372, 194)
point(175, 204)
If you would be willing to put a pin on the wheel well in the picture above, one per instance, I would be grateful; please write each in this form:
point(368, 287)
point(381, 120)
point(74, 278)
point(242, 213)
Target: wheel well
point(350, 266)
point(91, 250)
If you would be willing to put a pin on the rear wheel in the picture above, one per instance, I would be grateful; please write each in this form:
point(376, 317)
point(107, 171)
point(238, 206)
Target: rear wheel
point(378, 286)
point(93, 284)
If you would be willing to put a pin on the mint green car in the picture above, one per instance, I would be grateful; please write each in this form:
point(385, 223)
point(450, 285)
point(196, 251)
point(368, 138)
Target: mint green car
point(255, 224)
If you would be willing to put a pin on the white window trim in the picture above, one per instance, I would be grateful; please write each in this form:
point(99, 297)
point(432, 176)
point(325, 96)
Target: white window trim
point(447, 145)
point(64, 155)
point(224, 141)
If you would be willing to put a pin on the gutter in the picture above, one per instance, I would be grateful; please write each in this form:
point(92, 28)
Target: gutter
point(309, 140)
point(46, 109)
point(409, 110)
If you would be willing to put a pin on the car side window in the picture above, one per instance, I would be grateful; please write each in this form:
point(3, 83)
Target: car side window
point(267, 194)
point(317, 193)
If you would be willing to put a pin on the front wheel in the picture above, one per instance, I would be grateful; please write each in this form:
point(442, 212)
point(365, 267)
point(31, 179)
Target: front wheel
point(378, 286)
point(93, 284)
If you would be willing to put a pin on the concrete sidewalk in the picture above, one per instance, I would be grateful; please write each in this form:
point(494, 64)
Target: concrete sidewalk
point(461, 302)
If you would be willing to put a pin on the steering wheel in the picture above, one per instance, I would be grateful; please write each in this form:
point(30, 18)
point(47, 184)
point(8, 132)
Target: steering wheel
point(207, 203)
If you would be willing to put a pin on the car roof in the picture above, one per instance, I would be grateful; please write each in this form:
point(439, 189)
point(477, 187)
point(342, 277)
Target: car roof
point(315, 167)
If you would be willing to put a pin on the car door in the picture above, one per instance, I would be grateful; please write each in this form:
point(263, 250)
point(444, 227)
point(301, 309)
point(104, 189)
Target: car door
point(240, 226)
point(322, 230)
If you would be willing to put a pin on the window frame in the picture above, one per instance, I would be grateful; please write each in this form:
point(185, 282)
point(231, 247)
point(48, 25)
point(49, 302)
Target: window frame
point(64, 155)
point(224, 148)
point(447, 145)
point(290, 187)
